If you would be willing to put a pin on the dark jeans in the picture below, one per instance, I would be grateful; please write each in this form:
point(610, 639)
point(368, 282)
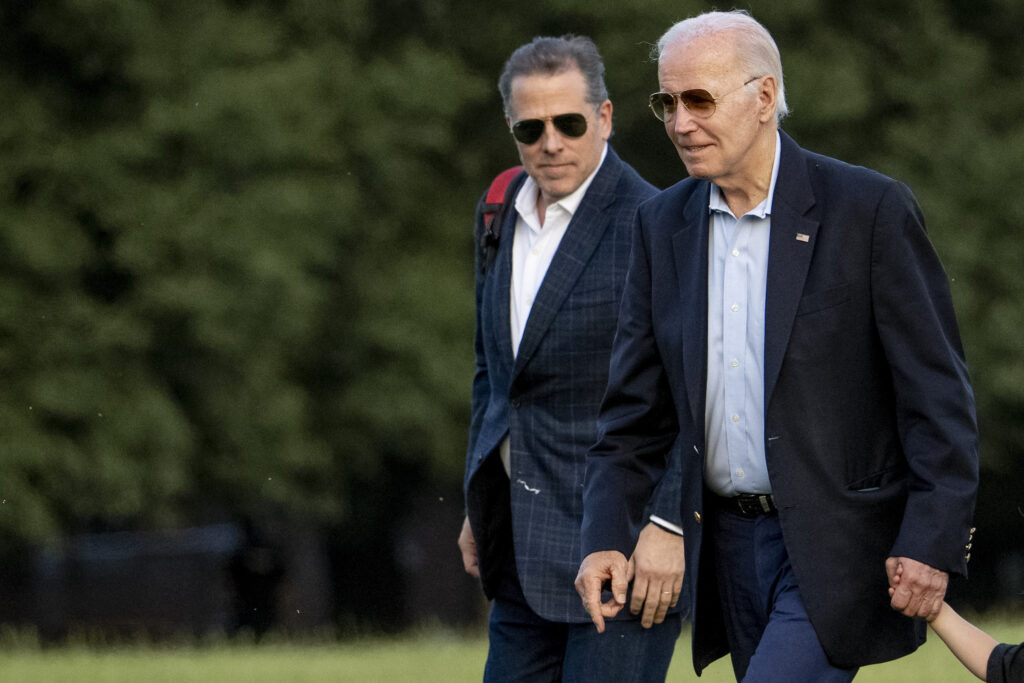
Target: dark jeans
point(524, 647)
point(770, 636)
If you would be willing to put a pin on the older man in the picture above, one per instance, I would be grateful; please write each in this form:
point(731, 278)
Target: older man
point(547, 302)
point(788, 328)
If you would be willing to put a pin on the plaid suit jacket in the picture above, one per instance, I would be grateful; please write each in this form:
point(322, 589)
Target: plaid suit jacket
point(547, 397)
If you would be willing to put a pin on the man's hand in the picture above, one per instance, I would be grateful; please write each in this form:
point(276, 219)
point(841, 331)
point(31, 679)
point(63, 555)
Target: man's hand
point(915, 589)
point(467, 544)
point(606, 565)
point(659, 563)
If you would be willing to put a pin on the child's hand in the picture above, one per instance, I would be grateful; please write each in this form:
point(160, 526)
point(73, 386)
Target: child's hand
point(894, 580)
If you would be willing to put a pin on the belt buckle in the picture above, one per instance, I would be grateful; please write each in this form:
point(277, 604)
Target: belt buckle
point(754, 505)
point(741, 506)
point(750, 506)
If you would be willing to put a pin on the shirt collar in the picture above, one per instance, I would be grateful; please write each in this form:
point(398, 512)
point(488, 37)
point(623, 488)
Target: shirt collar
point(526, 200)
point(717, 202)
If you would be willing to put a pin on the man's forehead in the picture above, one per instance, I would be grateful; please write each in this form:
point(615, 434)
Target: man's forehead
point(562, 89)
point(546, 79)
point(709, 57)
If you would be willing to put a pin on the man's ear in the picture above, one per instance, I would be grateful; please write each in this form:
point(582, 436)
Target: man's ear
point(768, 96)
point(604, 116)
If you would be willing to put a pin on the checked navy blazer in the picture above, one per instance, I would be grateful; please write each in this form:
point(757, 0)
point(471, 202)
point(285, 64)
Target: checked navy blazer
point(547, 397)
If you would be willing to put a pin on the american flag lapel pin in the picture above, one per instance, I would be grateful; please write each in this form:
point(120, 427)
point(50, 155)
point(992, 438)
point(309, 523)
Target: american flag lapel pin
point(801, 237)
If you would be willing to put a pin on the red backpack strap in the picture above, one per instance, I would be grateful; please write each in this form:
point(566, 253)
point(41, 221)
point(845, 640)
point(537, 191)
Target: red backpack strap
point(493, 211)
point(495, 199)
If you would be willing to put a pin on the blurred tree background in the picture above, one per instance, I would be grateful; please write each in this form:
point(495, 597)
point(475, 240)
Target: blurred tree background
point(236, 245)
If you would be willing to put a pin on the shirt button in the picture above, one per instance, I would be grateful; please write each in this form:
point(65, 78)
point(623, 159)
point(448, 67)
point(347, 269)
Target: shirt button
point(739, 473)
point(734, 308)
point(735, 418)
point(735, 252)
point(735, 363)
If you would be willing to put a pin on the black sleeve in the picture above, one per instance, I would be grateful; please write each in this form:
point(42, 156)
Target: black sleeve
point(1006, 664)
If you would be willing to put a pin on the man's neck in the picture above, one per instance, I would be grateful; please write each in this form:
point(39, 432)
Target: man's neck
point(750, 189)
point(542, 206)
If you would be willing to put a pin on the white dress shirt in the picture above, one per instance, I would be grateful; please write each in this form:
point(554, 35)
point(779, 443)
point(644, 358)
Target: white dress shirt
point(533, 248)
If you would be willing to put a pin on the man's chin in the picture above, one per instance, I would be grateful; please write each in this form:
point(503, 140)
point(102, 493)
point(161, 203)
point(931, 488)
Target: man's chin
point(558, 188)
point(697, 171)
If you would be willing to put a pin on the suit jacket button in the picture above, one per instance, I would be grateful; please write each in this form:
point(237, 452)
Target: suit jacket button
point(696, 516)
point(967, 557)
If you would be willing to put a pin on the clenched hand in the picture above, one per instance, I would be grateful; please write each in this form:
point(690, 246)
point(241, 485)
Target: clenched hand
point(467, 544)
point(915, 589)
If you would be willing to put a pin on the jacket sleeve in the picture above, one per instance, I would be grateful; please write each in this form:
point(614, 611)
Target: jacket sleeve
point(636, 426)
point(481, 382)
point(935, 403)
point(667, 499)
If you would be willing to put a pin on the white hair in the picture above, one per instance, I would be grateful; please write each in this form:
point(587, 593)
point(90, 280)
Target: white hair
point(755, 47)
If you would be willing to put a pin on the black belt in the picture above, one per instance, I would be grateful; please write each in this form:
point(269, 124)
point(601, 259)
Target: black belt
point(749, 505)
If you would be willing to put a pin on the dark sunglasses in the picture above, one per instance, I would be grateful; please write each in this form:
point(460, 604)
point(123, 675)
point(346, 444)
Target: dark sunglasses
point(699, 102)
point(528, 131)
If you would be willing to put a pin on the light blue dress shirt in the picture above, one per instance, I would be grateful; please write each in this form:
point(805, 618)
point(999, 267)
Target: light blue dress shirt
point(737, 283)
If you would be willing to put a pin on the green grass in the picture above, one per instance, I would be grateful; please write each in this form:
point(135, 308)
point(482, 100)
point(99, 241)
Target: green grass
point(422, 658)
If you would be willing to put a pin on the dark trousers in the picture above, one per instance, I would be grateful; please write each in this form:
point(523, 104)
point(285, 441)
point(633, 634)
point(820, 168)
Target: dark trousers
point(770, 636)
point(525, 647)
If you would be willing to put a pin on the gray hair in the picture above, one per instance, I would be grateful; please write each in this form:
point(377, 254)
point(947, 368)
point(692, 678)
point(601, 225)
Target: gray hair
point(756, 49)
point(551, 56)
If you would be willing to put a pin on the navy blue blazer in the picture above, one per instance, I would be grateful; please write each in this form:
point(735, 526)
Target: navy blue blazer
point(547, 397)
point(870, 431)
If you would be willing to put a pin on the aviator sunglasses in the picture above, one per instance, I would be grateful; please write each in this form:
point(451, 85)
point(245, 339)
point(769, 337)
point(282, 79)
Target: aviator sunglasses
point(528, 131)
point(698, 102)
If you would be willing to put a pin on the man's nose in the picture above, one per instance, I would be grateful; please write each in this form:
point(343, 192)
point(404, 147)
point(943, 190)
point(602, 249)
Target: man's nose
point(683, 121)
point(552, 139)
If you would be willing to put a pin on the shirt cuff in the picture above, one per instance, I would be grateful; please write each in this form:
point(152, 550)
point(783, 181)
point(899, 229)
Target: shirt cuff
point(667, 525)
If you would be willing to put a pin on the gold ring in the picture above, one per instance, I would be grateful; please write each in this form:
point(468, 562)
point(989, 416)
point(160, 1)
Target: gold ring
point(667, 593)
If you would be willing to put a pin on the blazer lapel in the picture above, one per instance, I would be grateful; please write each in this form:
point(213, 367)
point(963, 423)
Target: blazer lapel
point(791, 246)
point(690, 247)
point(581, 238)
